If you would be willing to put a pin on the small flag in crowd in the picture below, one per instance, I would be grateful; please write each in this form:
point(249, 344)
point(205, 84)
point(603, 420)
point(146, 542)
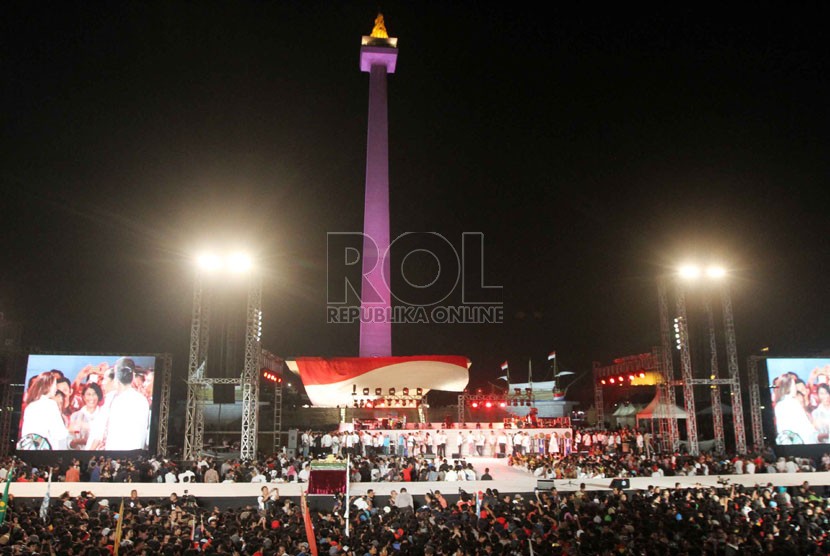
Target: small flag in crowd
point(44, 506)
point(551, 356)
point(4, 503)
point(118, 529)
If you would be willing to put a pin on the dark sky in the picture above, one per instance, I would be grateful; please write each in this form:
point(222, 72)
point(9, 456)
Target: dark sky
point(594, 149)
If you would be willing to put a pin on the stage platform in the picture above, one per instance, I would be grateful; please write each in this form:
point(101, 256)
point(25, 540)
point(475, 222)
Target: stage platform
point(506, 479)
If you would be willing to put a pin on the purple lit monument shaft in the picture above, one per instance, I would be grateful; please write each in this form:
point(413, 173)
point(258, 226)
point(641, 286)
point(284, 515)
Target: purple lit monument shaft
point(376, 334)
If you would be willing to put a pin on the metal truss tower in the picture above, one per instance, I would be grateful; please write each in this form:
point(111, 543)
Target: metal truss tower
point(164, 402)
point(717, 409)
point(668, 427)
point(755, 403)
point(682, 328)
point(194, 423)
point(734, 372)
point(250, 373)
point(713, 381)
point(197, 365)
point(599, 401)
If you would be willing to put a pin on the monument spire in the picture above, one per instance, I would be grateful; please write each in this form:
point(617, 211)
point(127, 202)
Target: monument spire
point(378, 56)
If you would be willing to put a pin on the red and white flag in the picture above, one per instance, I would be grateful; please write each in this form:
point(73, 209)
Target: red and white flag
point(504, 366)
point(551, 356)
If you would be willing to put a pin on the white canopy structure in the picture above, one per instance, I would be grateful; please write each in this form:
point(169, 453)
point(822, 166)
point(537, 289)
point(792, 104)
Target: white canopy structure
point(658, 409)
point(626, 415)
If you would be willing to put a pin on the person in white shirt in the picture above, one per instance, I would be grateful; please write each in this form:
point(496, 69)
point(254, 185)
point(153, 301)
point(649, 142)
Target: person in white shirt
point(128, 416)
point(170, 476)
point(42, 415)
point(187, 476)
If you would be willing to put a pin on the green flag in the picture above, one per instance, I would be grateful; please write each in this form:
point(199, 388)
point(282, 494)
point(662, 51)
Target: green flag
point(4, 503)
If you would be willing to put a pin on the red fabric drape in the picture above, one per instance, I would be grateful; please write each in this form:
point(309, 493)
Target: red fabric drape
point(309, 527)
point(327, 482)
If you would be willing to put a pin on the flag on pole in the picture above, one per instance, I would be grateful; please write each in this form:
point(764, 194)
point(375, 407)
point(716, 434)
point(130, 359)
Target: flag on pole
point(504, 366)
point(348, 483)
point(44, 506)
point(309, 527)
point(118, 529)
point(4, 503)
point(551, 356)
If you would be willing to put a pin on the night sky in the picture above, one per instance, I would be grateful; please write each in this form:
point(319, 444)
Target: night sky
point(595, 150)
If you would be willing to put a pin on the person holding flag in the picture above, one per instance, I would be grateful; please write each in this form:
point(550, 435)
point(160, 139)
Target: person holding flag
point(4, 503)
point(44, 506)
point(118, 529)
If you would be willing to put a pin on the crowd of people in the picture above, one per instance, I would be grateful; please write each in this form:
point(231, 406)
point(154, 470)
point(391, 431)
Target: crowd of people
point(447, 520)
point(728, 520)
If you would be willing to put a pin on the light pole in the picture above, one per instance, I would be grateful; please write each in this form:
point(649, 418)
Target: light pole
point(713, 274)
point(229, 266)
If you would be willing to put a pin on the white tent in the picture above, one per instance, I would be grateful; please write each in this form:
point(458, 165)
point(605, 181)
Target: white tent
point(658, 409)
point(626, 415)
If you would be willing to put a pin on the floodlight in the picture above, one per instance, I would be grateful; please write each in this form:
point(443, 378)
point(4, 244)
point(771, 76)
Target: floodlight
point(689, 272)
point(716, 272)
point(208, 262)
point(239, 263)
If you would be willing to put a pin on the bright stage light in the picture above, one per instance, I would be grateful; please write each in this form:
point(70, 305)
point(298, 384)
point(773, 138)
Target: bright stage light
point(208, 262)
point(689, 272)
point(239, 263)
point(488, 405)
point(716, 272)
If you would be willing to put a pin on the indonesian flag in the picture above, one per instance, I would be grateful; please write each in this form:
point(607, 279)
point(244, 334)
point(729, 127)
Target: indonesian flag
point(551, 355)
point(330, 382)
point(504, 366)
point(309, 527)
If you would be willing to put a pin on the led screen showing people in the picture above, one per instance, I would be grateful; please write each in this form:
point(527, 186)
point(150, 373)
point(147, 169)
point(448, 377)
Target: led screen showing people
point(87, 402)
point(800, 390)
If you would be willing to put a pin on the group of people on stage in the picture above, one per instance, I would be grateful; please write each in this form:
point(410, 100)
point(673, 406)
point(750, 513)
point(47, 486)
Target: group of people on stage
point(802, 409)
point(105, 408)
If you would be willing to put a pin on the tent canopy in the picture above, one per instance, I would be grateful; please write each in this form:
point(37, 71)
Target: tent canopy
point(626, 410)
point(658, 409)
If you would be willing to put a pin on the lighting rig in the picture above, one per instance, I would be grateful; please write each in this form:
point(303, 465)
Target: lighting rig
point(380, 398)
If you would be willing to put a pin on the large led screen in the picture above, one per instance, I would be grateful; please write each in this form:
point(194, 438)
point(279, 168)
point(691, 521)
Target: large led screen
point(800, 390)
point(87, 402)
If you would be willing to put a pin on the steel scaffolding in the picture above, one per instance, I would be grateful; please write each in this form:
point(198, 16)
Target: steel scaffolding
point(250, 374)
point(248, 379)
point(164, 372)
point(717, 409)
point(713, 381)
point(734, 372)
point(669, 433)
point(755, 403)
